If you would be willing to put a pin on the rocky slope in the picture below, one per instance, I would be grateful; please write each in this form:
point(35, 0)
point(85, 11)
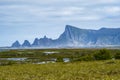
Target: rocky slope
point(75, 37)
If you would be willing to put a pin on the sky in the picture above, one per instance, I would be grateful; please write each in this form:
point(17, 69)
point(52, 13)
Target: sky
point(27, 19)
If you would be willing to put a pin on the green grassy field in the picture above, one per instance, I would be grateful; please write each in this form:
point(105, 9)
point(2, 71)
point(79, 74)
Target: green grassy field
point(95, 70)
point(84, 64)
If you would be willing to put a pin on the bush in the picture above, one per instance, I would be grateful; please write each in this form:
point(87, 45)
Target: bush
point(117, 56)
point(103, 54)
point(4, 63)
point(59, 59)
point(85, 58)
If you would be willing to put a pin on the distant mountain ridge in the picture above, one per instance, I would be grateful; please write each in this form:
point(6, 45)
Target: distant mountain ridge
point(76, 37)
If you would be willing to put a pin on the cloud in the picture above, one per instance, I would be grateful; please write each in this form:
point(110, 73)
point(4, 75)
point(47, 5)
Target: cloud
point(36, 13)
point(24, 11)
point(115, 10)
point(47, 15)
point(108, 11)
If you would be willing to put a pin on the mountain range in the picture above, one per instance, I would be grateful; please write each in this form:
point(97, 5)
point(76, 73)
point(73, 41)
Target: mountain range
point(76, 37)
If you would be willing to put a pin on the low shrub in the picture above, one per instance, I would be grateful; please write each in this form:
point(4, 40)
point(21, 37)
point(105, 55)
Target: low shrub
point(59, 59)
point(117, 56)
point(103, 54)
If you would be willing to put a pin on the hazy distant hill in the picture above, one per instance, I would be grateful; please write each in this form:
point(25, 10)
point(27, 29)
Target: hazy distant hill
point(75, 37)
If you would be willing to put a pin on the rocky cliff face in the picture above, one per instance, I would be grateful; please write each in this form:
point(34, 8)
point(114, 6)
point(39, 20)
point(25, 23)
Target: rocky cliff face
point(43, 42)
point(73, 36)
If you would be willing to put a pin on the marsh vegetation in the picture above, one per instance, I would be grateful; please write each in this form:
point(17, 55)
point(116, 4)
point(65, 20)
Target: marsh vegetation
point(60, 64)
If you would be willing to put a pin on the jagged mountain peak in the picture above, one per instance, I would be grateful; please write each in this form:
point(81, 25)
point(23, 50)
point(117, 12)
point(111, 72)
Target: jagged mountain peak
point(73, 36)
point(36, 39)
point(36, 42)
point(45, 37)
point(103, 28)
point(16, 41)
point(75, 29)
point(26, 43)
point(70, 27)
point(16, 44)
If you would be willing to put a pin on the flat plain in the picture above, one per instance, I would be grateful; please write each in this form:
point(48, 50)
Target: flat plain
point(83, 64)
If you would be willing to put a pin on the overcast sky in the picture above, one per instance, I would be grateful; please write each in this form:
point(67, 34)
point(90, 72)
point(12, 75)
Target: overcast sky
point(28, 19)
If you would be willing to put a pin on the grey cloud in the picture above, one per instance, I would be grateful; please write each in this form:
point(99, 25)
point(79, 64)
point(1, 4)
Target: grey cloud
point(64, 10)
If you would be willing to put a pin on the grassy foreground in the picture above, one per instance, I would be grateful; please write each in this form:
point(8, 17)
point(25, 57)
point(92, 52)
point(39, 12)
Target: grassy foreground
point(92, 70)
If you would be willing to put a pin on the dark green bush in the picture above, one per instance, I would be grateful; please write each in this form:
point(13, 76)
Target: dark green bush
point(4, 63)
point(84, 58)
point(59, 59)
point(103, 54)
point(117, 56)
point(87, 58)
